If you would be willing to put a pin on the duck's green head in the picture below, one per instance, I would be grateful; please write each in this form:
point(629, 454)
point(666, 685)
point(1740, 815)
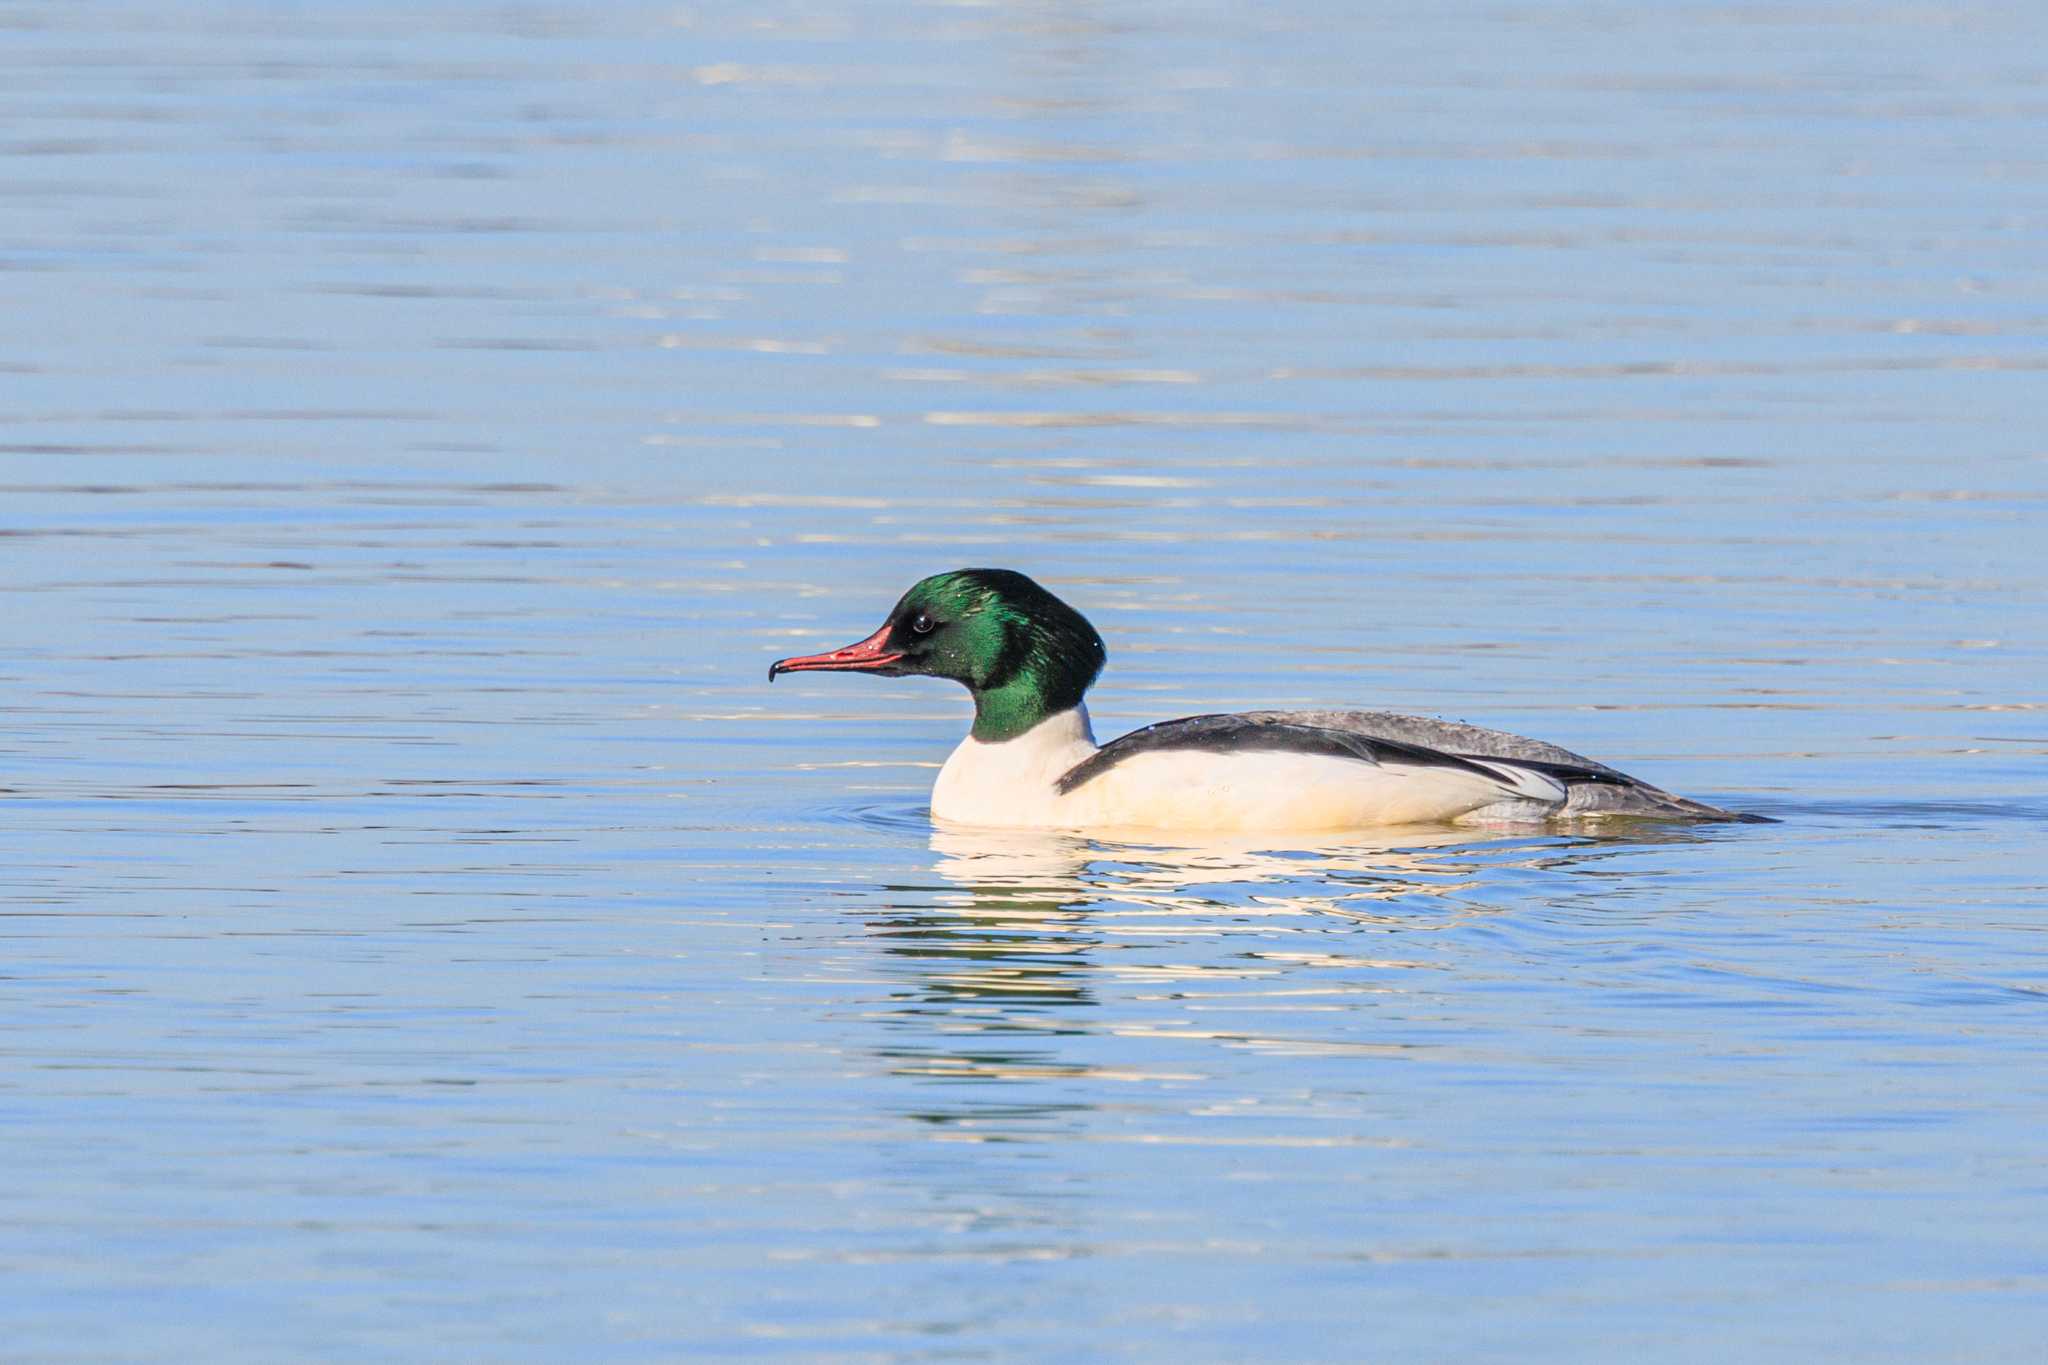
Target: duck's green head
point(1022, 652)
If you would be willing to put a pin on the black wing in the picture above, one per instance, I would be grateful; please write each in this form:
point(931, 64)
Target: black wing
point(1256, 734)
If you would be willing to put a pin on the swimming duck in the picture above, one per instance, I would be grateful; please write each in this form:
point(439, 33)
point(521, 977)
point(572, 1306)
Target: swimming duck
point(1031, 759)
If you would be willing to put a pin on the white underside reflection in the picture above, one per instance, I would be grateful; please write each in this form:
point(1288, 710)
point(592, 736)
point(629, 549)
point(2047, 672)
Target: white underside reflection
point(1362, 876)
point(1029, 940)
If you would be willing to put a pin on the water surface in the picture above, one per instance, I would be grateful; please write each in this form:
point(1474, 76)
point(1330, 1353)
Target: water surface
point(427, 935)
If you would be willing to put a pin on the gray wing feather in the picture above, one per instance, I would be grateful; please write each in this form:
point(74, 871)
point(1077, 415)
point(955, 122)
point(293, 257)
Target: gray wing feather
point(1619, 795)
point(1269, 731)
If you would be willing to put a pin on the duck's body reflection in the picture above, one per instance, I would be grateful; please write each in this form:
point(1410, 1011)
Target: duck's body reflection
point(1051, 999)
point(1039, 870)
point(1030, 934)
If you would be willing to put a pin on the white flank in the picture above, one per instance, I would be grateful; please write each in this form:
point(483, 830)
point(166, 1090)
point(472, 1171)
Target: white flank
point(1014, 784)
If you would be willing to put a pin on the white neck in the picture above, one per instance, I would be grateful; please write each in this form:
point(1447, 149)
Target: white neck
point(1010, 782)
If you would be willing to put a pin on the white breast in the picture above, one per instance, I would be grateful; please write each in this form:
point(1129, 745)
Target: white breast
point(1012, 782)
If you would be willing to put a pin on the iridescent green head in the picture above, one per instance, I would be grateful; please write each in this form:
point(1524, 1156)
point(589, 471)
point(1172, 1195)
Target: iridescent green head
point(1023, 653)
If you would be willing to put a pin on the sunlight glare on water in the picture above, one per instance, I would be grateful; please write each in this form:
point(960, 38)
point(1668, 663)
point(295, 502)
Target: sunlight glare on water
point(429, 935)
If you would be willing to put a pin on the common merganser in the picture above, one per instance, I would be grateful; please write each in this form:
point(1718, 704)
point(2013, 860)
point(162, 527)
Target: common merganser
point(1031, 759)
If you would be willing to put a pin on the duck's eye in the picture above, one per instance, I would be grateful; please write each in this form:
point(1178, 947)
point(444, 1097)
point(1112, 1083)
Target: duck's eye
point(922, 623)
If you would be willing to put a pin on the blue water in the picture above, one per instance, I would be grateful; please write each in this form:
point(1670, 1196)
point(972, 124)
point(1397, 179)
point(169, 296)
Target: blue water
point(428, 937)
